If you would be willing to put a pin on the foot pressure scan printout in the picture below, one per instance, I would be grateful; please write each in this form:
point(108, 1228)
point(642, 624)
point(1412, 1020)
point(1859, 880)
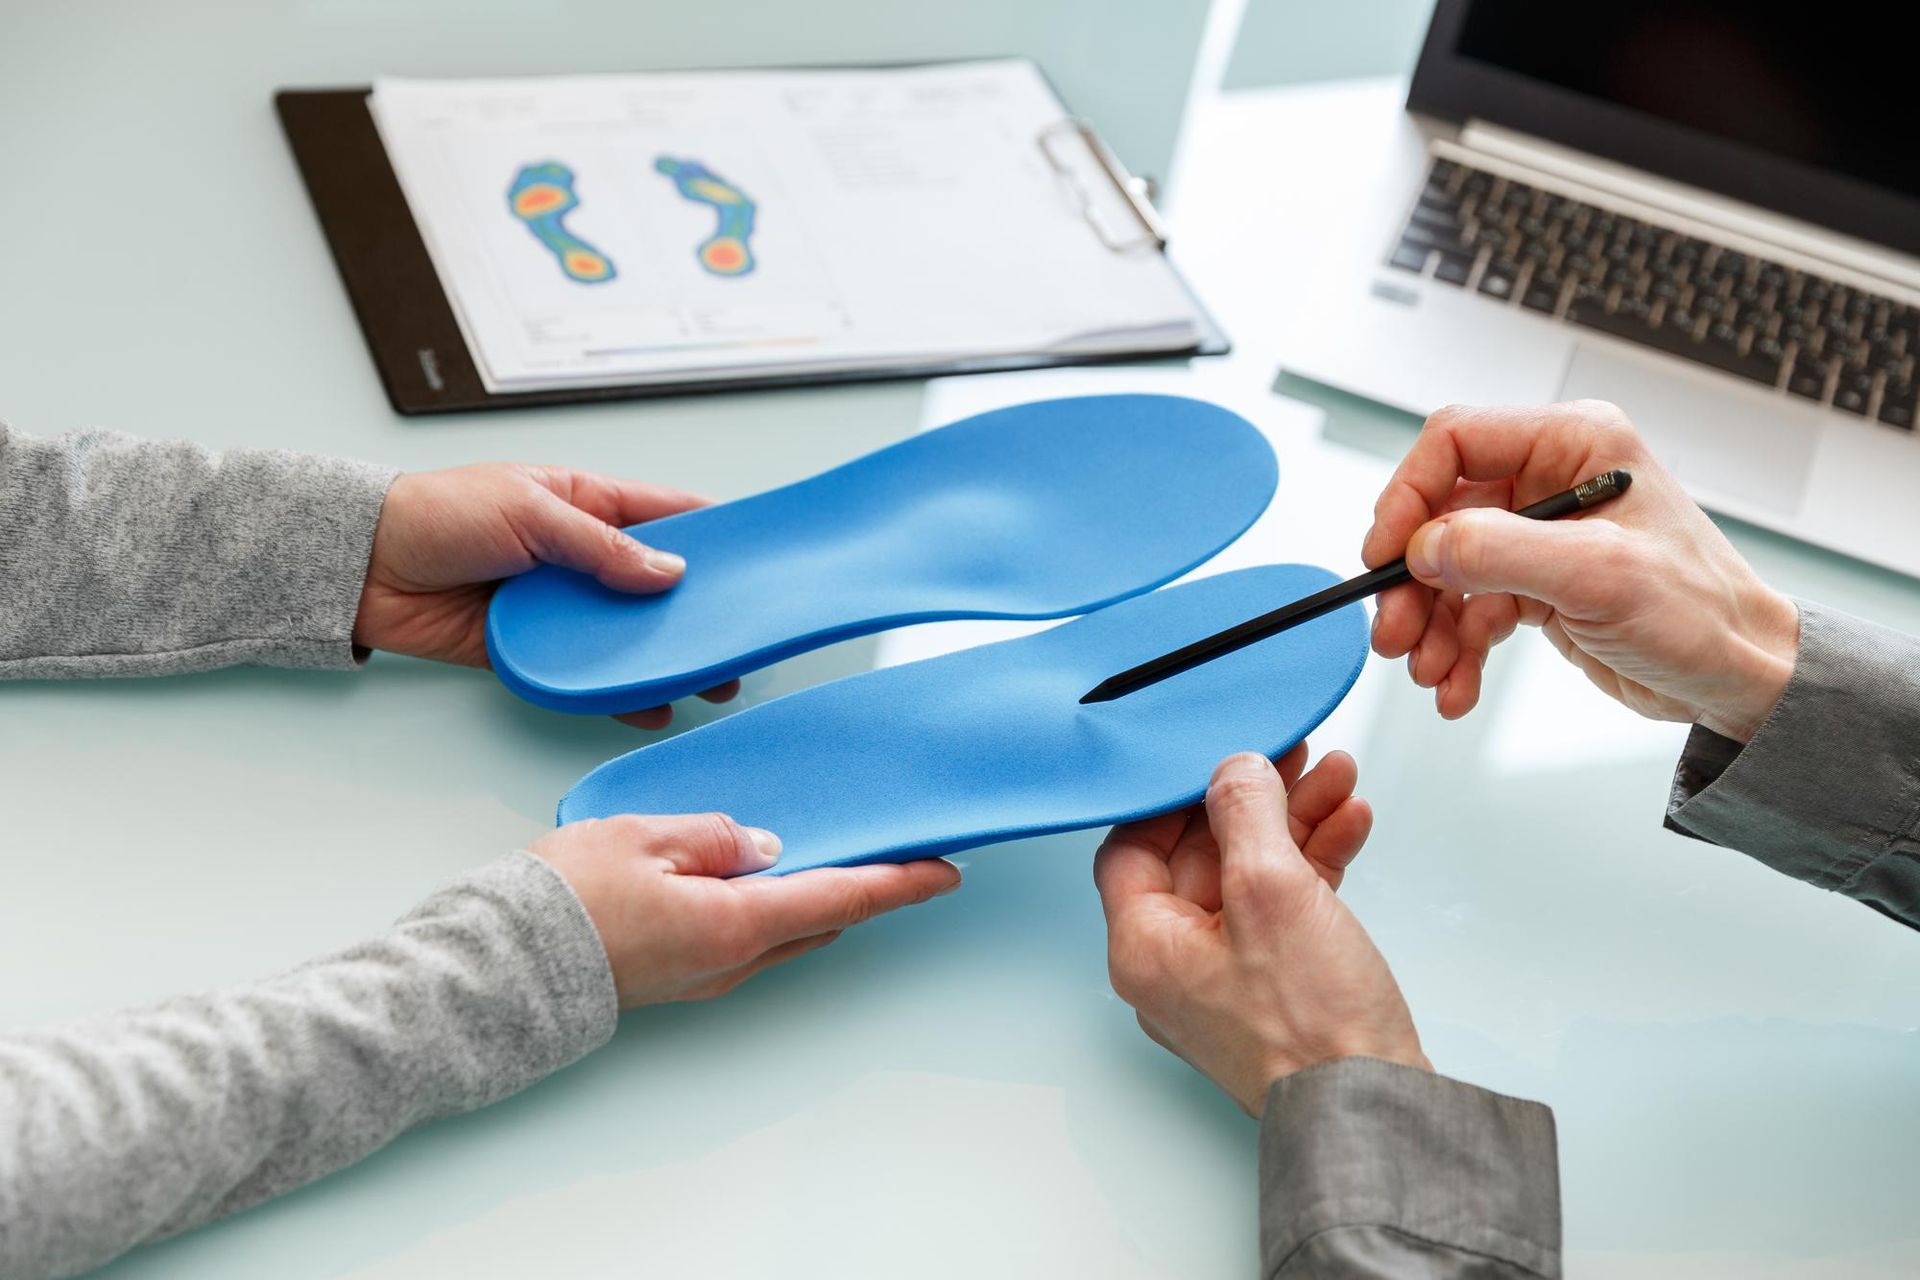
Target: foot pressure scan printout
point(619, 229)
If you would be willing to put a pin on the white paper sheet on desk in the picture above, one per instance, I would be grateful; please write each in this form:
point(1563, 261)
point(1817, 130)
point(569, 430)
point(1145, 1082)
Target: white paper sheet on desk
point(899, 215)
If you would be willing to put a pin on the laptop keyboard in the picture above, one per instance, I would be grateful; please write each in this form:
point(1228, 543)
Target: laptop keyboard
point(1741, 314)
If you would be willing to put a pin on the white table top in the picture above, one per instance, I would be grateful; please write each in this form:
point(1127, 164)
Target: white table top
point(951, 1092)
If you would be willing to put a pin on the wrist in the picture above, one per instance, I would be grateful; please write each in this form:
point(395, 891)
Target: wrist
point(1402, 1056)
point(370, 619)
point(1760, 660)
point(366, 619)
point(1407, 1053)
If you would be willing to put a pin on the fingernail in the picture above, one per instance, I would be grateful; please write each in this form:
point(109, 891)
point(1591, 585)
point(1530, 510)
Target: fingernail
point(1245, 763)
point(665, 562)
point(941, 893)
point(1423, 553)
point(766, 842)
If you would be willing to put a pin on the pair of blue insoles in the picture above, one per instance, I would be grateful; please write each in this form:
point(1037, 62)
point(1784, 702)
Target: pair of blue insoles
point(1036, 511)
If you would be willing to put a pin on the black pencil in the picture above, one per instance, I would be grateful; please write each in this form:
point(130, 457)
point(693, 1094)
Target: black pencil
point(1582, 497)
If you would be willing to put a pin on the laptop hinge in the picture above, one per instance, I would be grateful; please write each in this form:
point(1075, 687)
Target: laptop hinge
point(1738, 225)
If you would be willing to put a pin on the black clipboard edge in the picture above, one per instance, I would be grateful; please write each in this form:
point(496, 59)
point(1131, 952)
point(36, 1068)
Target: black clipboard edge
point(408, 323)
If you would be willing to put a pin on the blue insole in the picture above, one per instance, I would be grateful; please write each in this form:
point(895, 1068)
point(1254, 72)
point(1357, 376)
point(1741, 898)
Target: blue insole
point(991, 743)
point(1036, 511)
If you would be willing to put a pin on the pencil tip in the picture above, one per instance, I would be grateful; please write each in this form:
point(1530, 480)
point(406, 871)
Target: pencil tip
point(1096, 694)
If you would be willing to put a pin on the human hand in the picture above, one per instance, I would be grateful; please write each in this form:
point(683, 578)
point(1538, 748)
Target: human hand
point(674, 931)
point(446, 538)
point(1644, 595)
point(1226, 937)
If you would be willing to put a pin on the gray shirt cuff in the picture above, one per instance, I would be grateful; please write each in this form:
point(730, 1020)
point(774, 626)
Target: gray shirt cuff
point(1371, 1168)
point(124, 557)
point(1828, 791)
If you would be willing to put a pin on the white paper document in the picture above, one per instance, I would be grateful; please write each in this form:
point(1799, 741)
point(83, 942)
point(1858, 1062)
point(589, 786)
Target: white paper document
point(630, 229)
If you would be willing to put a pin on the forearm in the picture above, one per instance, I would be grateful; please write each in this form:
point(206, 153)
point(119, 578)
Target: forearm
point(1828, 790)
point(1368, 1168)
point(129, 1128)
point(121, 556)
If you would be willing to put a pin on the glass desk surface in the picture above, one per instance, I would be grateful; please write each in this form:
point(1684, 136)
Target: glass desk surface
point(953, 1090)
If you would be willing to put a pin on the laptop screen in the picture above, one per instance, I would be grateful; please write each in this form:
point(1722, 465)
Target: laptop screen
point(1794, 109)
point(1779, 79)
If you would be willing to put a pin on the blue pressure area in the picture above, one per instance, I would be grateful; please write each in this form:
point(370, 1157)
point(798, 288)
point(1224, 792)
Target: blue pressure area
point(1036, 511)
point(992, 743)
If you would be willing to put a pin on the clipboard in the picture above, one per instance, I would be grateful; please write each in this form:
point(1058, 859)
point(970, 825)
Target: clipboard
point(417, 344)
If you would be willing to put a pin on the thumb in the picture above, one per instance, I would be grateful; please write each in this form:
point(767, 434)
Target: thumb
point(560, 533)
point(1247, 813)
point(1576, 565)
point(712, 844)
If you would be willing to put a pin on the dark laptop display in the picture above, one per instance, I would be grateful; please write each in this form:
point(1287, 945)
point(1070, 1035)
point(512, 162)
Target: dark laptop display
point(1794, 109)
point(1774, 108)
point(1777, 78)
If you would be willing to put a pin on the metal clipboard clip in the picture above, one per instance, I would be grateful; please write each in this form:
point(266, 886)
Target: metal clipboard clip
point(1135, 194)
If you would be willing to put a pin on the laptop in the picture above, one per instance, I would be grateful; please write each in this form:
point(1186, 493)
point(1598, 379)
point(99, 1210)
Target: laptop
point(1705, 211)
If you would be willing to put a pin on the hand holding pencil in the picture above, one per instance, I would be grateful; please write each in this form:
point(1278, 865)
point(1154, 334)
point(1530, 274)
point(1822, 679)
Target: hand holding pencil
point(1584, 496)
point(1646, 596)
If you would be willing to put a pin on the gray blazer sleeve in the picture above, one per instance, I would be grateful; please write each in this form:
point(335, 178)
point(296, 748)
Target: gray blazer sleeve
point(1368, 1168)
point(135, 1126)
point(124, 557)
point(1829, 790)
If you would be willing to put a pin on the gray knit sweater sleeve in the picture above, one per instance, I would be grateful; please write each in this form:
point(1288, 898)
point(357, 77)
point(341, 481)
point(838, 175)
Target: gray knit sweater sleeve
point(137, 1125)
point(126, 557)
point(120, 557)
